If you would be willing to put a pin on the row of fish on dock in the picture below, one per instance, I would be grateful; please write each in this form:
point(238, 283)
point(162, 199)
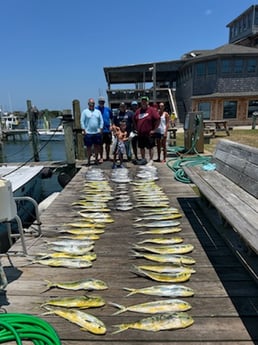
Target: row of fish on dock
point(74, 248)
point(169, 264)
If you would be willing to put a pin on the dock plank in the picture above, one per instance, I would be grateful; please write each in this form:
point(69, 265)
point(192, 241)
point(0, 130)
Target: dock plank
point(216, 317)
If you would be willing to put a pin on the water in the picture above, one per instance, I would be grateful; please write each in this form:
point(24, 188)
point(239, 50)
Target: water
point(21, 150)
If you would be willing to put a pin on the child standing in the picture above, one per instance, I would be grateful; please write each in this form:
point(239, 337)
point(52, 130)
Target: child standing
point(121, 137)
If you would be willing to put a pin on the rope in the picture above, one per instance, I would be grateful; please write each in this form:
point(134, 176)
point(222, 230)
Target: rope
point(19, 327)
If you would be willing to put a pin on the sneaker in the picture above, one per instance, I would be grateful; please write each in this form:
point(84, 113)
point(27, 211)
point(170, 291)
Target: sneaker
point(142, 161)
point(150, 162)
point(114, 166)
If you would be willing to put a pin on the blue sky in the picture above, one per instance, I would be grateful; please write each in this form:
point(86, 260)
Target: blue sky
point(54, 51)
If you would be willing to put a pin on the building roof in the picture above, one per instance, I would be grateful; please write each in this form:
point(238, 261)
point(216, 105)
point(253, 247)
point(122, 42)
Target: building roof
point(227, 94)
point(226, 49)
point(140, 73)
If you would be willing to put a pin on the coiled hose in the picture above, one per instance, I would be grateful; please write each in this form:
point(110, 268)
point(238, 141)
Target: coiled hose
point(19, 327)
point(176, 165)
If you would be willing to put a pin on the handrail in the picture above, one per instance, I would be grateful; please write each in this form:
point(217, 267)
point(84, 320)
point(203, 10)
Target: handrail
point(28, 198)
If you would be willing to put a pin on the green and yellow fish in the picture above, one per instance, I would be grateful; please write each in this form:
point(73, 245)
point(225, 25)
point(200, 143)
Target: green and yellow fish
point(165, 290)
point(84, 284)
point(175, 258)
point(161, 306)
point(82, 302)
point(86, 321)
point(158, 322)
point(169, 249)
point(177, 277)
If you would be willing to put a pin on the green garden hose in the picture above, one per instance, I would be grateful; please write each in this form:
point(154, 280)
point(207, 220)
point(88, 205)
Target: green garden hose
point(19, 327)
point(177, 165)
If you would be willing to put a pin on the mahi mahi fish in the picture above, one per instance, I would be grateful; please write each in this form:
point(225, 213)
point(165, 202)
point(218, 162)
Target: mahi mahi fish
point(158, 322)
point(172, 258)
point(72, 249)
point(82, 231)
point(158, 224)
point(64, 262)
point(167, 268)
point(172, 290)
point(86, 321)
point(90, 256)
point(158, 240)
point(182, 248)
point(176, 277)
point(82, 302)
point(83, 224)
point(159, 217)
point(160, 231)
point(161, 306)
point(84, 284)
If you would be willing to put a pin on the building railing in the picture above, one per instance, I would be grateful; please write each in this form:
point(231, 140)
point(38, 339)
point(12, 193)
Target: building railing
point(129, 95)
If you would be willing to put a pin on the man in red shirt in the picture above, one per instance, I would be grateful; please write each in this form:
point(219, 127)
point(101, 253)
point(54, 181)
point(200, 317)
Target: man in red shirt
point(146, 120)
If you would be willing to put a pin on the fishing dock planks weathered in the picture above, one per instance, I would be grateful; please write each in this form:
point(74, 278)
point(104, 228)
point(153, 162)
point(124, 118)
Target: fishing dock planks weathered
point(222, 306)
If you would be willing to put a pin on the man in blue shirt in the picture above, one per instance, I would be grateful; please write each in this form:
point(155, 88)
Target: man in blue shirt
point(92, 126)
point(106, 134)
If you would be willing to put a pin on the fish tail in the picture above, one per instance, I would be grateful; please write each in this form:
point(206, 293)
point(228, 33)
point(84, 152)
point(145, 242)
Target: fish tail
point(120, 328)
point(132, 291)
point(49, 284)
point(121, 307)
point(136, 254)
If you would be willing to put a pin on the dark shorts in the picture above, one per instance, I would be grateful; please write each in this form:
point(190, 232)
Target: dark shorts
point(157, 135)
point(107, 138)
point(93, 139)
point(146, 142)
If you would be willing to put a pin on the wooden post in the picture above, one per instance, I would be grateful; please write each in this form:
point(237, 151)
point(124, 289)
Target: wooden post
point(79, 143)
point(33, 130)
point(68, 136)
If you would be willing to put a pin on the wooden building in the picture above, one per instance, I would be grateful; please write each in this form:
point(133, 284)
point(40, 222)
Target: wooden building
point(222, 82)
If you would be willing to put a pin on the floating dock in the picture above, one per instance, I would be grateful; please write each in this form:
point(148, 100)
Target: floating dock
point(223, 305)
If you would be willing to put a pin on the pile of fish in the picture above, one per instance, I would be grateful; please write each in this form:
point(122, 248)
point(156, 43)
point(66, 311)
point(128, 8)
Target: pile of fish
point(168, 259)
point(74, 248)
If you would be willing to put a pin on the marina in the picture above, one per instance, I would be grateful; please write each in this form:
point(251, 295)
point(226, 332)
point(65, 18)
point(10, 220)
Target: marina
point(225, 295)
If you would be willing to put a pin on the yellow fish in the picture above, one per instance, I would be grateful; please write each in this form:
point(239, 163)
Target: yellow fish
point(155, 307)
point(87, 321)
point(82, 302)
point(158, 322)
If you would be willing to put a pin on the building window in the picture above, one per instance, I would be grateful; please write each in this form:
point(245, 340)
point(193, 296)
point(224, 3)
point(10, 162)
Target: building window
point(251, 65)
point(211, 67)
point(200, 69)
point(229, 109)
point(205, 108)
point(238, 65)
point(225, 66)
point(252, 107)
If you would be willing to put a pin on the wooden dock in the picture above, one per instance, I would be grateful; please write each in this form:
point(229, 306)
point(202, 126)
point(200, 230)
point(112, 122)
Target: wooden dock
point(224, 306)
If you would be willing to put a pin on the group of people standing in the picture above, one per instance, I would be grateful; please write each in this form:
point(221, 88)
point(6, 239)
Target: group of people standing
point(142, 127)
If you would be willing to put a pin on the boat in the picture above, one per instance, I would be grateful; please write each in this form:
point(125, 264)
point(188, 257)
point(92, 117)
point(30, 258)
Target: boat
point(51, 134)
point(9, 121)
point(26, 181)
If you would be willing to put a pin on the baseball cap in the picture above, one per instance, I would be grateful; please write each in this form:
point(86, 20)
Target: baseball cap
point(145, 98)
point(134, 103)
point(101, 99)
